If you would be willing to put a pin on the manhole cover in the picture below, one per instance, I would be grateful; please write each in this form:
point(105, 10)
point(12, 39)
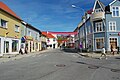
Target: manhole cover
point(115, 70)
point(60, 65)
point(93, 67)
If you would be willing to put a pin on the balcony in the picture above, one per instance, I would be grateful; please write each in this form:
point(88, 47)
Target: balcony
point(98, 16)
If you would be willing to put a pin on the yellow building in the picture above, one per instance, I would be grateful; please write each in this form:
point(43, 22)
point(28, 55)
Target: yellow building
point(10, 25)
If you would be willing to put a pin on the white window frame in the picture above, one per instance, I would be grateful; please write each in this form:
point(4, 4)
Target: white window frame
point(98, 23)
point(5, 23)
point(17, 28)
point(96, 44)
point(115, 11)
point(112, 25)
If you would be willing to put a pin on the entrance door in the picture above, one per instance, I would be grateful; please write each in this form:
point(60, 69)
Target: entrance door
point(6, 46)
point(113, 42)
point(53, 45)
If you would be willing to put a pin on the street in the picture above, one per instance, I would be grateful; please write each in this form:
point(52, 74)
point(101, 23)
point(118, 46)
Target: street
point(58, 64)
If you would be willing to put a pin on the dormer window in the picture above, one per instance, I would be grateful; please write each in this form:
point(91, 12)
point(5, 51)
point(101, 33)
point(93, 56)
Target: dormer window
point(98, 10)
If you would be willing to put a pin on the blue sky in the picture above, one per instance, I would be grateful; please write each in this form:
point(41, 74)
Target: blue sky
point(51, 15)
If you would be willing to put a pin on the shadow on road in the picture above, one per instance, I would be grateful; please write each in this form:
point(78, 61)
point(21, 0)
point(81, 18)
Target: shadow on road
point(69, 50)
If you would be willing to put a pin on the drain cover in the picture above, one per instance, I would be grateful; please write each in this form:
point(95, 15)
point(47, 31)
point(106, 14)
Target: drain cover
point(115, 70)
point(60, 65)
point(93, 67)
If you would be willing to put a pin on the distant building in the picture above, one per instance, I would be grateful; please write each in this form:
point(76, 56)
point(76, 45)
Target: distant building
point(51, 40)
point(30, 38)
point(43, 39)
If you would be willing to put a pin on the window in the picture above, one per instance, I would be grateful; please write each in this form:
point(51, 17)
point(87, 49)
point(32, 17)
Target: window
point(99, 43)
point(6, 46)
point(48, 40)
point(99, 27)
point(29, 33)
point(16, 28)
point(3, 23)
point(54, 39)
point(112, 26)
point(14, 45)
point(98, 10)
point(115, 11)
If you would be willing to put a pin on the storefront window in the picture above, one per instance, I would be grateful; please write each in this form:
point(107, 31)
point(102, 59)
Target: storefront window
point(14, 45)
point(99, 43)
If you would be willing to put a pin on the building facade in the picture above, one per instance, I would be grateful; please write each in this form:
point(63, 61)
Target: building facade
point(101, 28)
point(30, 38)
point(43, 39)
point(51, 40)
point(10, 30)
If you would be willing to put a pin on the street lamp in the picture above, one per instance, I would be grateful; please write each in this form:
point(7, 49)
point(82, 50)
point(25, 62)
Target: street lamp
point(74, 6)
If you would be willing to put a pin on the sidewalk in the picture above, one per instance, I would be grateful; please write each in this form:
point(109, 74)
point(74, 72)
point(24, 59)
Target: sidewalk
point(97, 55)
point(7, 58)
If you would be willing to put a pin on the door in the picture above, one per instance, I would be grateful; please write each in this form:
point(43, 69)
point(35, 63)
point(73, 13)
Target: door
point(53, 45)
point(113, 43)
point(6, 46)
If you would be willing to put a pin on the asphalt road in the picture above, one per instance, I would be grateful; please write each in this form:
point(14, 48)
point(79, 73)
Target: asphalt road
point(60, 65)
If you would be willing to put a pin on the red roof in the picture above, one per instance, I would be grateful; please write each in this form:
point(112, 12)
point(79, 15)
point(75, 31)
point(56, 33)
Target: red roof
point(7, 9)
point(48, 35)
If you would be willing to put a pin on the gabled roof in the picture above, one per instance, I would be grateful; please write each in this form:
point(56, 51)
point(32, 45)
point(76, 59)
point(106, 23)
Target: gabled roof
point(48, 35)
point(101, 5)
point(5, 8)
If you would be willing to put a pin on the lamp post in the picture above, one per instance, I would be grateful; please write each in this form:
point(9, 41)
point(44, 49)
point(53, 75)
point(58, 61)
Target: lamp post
point(74, 6)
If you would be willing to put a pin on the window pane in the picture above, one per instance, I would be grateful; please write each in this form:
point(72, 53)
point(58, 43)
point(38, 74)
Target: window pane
point(3, 23)
point(14, 45)
point(117, 13)
point(99, 43)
